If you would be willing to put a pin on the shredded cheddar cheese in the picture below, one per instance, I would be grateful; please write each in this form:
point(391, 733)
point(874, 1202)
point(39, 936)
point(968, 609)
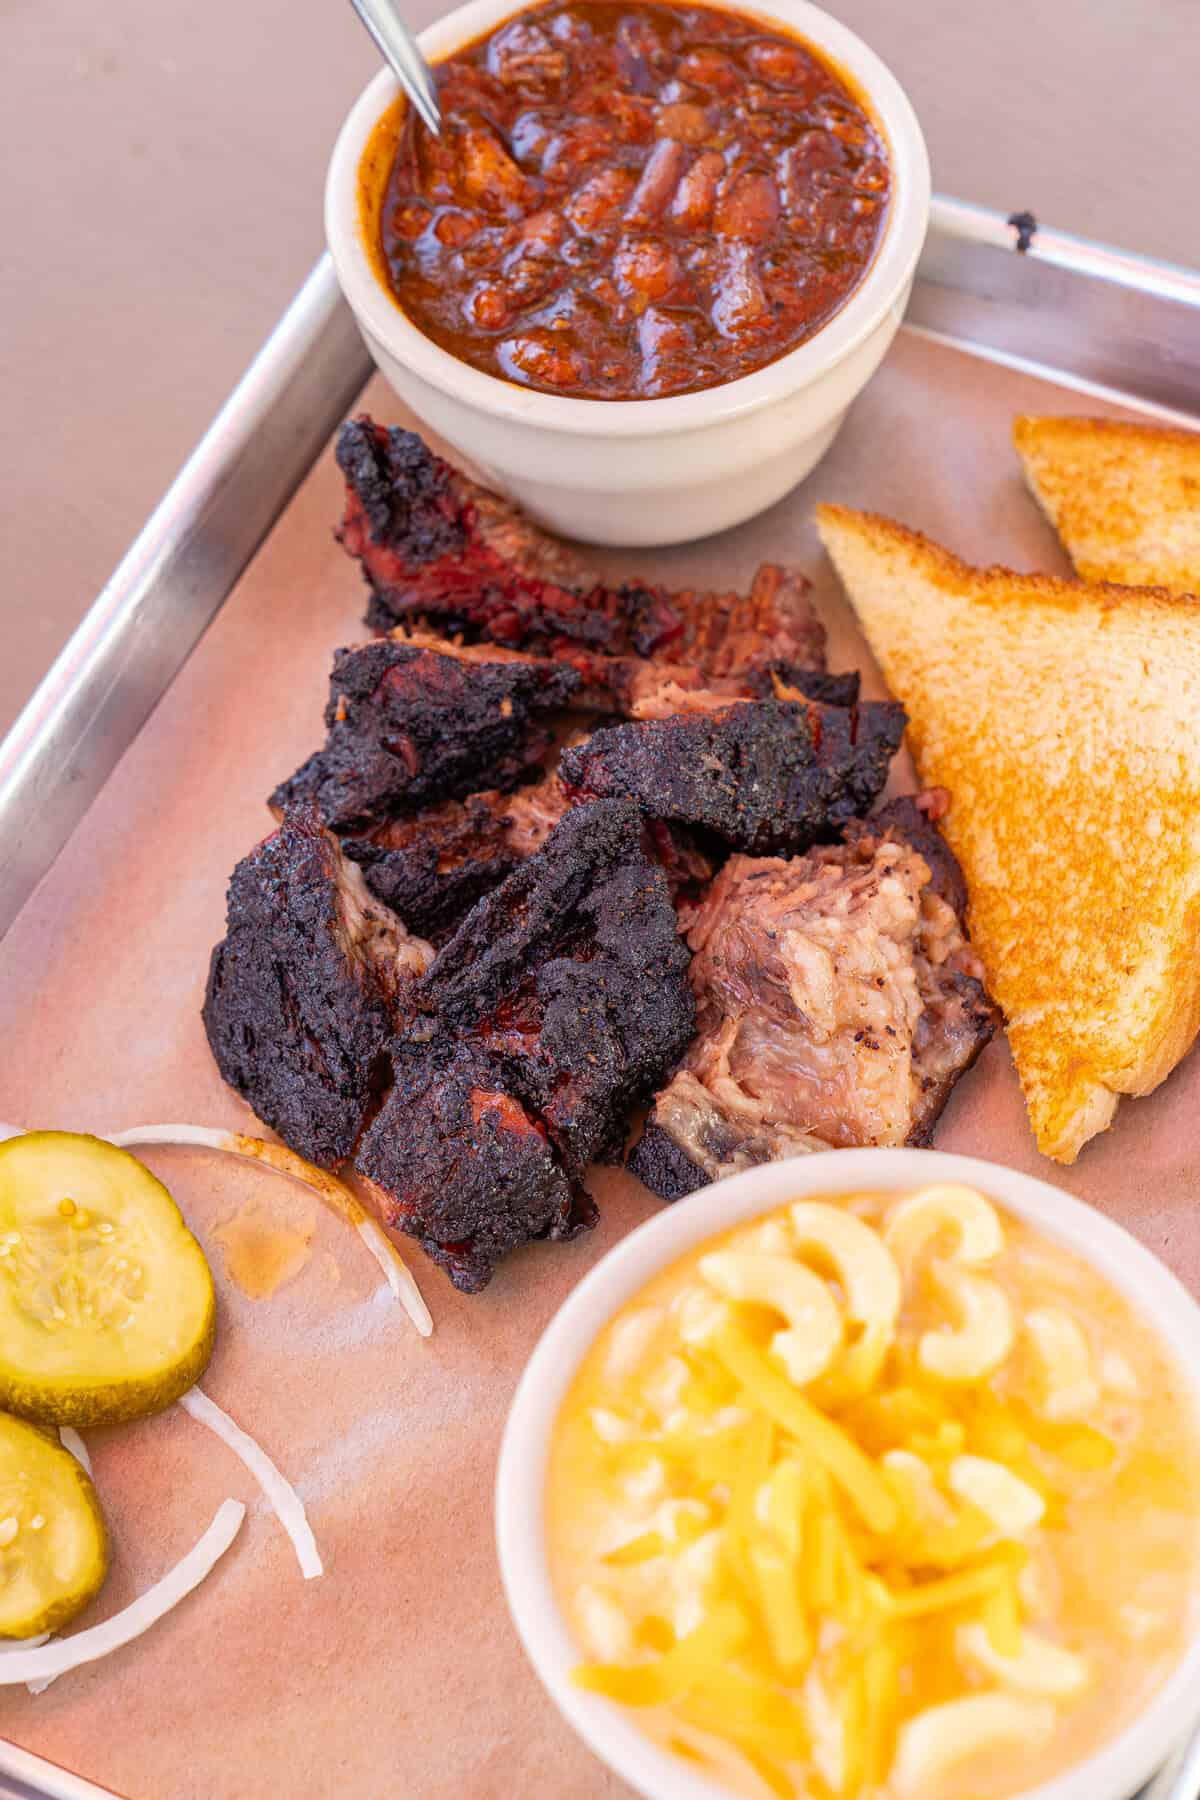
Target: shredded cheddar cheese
point(812, 1486)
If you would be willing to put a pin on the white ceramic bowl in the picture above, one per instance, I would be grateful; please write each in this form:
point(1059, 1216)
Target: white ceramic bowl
point(645, 471)
point(1123, 1764)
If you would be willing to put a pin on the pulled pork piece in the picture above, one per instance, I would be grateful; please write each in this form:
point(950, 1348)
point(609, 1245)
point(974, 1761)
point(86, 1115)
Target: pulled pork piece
point(409, 725)
point(766, 776)
point(304, 989)
point(433, 545)
point(456, 1162)
point(838, 1002)
point(560, 1003)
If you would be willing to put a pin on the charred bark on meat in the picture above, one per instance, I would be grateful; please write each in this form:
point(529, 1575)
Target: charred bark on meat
point(455, 1161)
point(304, 989)
point(435, 546)
point(409, 725)
point(572, 974)
point(769, 776)
point(559, 1004)
point(432, 866)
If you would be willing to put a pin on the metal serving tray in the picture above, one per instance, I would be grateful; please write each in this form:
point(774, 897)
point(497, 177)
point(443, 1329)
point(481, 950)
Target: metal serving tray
point(1098, 320)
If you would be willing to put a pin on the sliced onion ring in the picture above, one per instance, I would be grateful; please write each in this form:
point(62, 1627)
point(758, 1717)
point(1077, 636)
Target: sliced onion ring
point(69, 1653)
point(285, 1502)
point(335, 1194)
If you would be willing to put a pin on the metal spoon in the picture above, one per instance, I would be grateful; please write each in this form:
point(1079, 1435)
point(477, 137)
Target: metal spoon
point(399, 50)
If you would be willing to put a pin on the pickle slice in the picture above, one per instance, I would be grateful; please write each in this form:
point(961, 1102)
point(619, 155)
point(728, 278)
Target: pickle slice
point(107, 1309)
point(53, 1544)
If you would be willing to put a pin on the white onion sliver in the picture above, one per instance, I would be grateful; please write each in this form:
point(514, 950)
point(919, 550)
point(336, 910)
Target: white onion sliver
point(9, 1131)
point(71, 1440)
point(8, 1645)
point(285, 1501)
point(100, 1640)
point(397, 1274)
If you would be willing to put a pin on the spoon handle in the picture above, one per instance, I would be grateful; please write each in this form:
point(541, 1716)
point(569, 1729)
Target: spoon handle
point(402, 55)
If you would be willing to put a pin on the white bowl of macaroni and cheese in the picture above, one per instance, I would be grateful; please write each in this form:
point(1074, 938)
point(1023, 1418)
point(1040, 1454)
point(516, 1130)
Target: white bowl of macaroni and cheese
point(873, 1474)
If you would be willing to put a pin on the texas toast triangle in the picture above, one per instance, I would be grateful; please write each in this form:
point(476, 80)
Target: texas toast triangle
point(1065, 721)
point(1124, 498)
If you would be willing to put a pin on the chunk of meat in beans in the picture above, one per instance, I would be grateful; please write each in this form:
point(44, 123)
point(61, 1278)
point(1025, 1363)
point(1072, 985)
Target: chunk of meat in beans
point(631, 201)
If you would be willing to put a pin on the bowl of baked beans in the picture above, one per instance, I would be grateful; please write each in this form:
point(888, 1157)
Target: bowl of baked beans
point(651, 258)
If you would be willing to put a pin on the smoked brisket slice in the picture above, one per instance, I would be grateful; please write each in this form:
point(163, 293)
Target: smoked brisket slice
point(304, 989)
point(771, 776)
point(435, 546)
point(838, 1001)
point(407, 725)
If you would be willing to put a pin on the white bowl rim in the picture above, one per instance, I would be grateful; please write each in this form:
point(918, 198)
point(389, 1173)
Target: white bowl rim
point(1125, 1761)
point(885, 282)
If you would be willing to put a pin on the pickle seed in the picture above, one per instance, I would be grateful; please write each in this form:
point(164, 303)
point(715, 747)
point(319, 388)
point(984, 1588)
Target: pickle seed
point(37, 1522)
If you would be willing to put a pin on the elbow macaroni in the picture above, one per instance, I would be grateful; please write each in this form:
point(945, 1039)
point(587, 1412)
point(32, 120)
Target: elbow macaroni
point(820, 1457)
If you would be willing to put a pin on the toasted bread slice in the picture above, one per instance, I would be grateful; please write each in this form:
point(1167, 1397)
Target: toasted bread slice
point(1124, 499)
point(1065, 721)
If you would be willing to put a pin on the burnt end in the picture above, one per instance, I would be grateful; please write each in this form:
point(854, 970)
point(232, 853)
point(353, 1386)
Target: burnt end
point(664, 1166)
point(402, 490)
point(433, 866)
point(431, 902)
point(409, 725)
point(766, 777)
point(572, 974)
point(457, 1163)
point(857, 747)
point(297, 1021)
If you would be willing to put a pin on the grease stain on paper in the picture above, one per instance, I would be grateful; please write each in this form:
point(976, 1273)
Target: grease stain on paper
point(267, 1242)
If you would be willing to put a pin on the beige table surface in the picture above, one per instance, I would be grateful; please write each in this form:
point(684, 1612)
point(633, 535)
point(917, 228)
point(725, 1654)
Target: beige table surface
point(160, 202)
